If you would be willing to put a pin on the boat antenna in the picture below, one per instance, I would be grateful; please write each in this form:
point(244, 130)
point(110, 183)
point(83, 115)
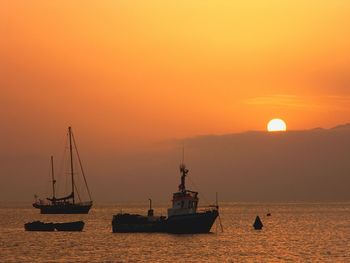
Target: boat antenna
point(71, 160)
point(81, 167)
point(53, 180)
point(183, 171)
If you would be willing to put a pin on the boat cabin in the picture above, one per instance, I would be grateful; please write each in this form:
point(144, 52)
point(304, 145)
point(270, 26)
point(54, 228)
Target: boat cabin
point(184, 201)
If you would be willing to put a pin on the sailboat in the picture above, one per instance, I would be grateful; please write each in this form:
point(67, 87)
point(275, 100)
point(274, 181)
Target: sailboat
point(67, 204)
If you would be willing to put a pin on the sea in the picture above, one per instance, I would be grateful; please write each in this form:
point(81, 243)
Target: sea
point(295, 232)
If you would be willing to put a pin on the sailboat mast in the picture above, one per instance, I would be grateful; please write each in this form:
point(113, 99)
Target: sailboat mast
point(183, 154)
point(53, 180)
point(71, 160)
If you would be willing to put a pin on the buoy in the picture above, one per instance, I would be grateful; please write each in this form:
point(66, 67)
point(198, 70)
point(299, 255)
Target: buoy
point(268, 214)
point(258, 224)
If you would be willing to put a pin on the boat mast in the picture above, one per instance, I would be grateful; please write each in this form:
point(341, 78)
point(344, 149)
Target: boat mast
point(71, 160)
point(53, 180)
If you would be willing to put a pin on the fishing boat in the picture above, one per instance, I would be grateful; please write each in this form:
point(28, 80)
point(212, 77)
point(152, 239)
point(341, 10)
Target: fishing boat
point(39, 226)
point(67, 204)
point(70, 226)
point(184, 217)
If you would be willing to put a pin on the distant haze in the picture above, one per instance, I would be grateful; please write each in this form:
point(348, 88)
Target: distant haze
point(310, 165)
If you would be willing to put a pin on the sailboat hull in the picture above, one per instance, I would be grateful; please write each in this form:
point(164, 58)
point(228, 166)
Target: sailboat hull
point(63, 208)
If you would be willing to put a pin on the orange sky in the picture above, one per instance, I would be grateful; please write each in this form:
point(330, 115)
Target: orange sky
point(141, 71)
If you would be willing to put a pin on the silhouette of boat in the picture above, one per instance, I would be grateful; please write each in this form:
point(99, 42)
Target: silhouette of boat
point(67, 204)
point(184, 217)
point(70, 226)
point(39, 226)
point(67, 226)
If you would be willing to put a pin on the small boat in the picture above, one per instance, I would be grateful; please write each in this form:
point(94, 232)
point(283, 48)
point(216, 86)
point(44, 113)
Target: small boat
point(70, 226)
point(39, 226)
point(67, 204)
point(184, 216)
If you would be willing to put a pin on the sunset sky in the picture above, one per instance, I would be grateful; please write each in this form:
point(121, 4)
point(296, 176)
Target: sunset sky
point(128, 73)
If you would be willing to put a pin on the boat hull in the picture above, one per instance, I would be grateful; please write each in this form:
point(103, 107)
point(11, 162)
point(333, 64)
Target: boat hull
point(63, 208)
point(39, 226)
point(70, 226)
point(179, 224)
point(191, 223)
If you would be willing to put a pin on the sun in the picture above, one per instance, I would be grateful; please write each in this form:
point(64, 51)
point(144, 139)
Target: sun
point(276, 125)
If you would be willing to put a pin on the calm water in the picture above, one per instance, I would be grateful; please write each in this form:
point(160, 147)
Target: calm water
point(294, 233)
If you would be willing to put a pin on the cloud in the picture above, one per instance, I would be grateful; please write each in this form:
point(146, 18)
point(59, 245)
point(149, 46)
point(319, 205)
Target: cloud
point(311, 103)
point(279, 100)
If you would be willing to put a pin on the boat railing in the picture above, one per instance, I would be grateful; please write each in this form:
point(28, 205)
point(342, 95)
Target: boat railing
point(206, 208)
point(86, 203)
point(40, 202)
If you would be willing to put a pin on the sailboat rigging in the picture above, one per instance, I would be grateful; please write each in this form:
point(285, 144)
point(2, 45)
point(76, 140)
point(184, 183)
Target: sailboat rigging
point(67, 204)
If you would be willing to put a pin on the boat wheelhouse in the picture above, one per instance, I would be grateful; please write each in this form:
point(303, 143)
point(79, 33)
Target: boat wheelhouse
point(184, 201)
point(185, 217)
